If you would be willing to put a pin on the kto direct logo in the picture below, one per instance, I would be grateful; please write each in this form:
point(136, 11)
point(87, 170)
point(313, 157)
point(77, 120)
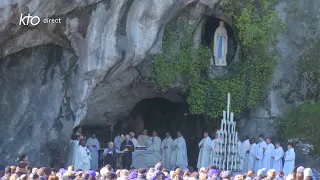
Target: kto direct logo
point(35, 20)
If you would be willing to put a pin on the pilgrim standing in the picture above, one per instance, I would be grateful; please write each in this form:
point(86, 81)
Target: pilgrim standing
point(215, 148)
point(289, 160)
point(75, 146)
point(278, 154)
point(260, 149)
point(245, 147)
point(179, 156)
point(166, 149)
point(94, 146)
point(251, 155)
point(205, 146)
point(267, 160)
point(143, 138)
point(82, 158)
point(117, 141)
point(109, 155)
point(71, 147)
point(133, 139)
point(154, 142)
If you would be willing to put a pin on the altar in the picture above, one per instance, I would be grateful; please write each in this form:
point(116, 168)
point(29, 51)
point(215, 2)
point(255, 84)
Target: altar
point(145, 158)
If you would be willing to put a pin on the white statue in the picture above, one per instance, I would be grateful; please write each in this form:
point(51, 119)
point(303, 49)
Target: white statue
point(220, 46)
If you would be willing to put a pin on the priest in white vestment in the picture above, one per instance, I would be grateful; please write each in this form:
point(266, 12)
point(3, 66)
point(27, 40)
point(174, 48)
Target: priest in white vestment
point(205, 147)
point(245, 147)
point(71, 149)
point(267, 160)
point(133, 140)
point(82, 158)
point(179, 156)
point(214, 156)
point(143, 138)
point(154, 142)
point(260, 149)
point(238, 165)
point(251, 155)
point(117, 142)
point(93, 145)
point(277, 156)
point(289, 160)
point(166, 151)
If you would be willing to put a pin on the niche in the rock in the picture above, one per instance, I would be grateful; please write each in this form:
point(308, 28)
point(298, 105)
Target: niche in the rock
point(212, 23)
point(163, 116)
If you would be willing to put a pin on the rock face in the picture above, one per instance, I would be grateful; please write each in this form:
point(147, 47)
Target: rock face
point(54, 77)
point(303, 23)
point(87, 69)
point(285, 88)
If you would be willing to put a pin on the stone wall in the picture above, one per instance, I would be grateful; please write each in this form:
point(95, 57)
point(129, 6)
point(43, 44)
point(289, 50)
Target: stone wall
point(302, 19)
point(90, 68)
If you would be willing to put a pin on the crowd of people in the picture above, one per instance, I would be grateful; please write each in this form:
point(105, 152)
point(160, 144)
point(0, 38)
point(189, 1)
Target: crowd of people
point(261, 160)
point(24, 172)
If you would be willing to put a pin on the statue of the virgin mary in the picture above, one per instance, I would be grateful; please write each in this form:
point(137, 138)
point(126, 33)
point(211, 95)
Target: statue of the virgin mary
point(220, 45)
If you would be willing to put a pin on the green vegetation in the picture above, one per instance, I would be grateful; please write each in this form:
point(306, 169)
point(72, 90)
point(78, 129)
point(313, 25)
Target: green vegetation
point(303, 122)
point(309, 71)
point(257, 27)
point(174, 66)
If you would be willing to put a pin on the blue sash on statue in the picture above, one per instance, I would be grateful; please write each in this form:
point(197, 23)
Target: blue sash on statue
point(220, 48)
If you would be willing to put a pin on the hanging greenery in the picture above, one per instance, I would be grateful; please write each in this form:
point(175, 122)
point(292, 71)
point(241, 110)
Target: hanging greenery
point(309, 71)
point(303, 122)
point(257, 26)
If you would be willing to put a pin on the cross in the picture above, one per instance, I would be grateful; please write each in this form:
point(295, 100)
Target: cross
point(111, 123)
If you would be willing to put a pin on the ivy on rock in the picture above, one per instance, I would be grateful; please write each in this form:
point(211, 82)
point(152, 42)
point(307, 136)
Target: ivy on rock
point(303, 122)
point(183, 66)
point(309, 71)
point(257, 26)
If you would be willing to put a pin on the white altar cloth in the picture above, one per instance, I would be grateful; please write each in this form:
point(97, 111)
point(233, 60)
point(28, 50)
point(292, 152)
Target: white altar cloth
point(145, 158)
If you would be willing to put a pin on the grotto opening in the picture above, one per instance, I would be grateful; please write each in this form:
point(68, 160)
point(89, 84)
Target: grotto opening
point(160, 115)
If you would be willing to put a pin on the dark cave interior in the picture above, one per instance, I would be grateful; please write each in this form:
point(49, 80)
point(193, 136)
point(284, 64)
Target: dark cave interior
point(163, 116)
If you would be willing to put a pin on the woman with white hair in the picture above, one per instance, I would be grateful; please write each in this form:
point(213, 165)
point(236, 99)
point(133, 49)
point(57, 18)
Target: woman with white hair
point(150, 173)
point(133, 139)
point(109, 155)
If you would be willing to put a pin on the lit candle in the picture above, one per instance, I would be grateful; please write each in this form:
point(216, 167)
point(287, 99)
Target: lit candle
point(223, 165)
point(228, 106)
point(234, 162)
point(236, 137)
point(231, 117)
point(233, 143)
point(225, 138)
point(228, 163)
